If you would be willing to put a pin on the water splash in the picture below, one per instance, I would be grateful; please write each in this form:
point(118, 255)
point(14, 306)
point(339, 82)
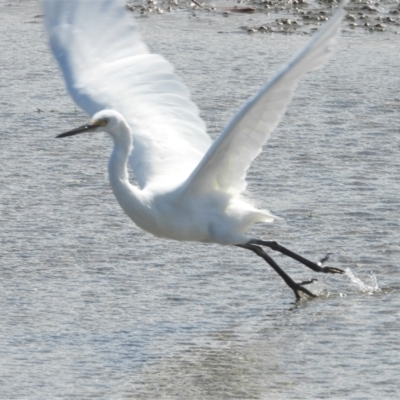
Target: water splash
point(318, 288)
point(368, 284)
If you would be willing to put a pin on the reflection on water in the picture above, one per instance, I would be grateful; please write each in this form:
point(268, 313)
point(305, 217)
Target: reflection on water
point(226, 365)
point(94, 308)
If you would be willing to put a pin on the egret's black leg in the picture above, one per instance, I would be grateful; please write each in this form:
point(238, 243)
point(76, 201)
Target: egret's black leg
point(296, 287)
point(315, 267)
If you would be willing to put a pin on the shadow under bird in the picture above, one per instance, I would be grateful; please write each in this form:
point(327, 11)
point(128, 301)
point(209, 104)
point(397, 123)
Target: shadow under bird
point(189, 188)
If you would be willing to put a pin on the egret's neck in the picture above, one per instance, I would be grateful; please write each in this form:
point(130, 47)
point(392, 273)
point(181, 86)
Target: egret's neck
point(127, 195)
point(118, 164)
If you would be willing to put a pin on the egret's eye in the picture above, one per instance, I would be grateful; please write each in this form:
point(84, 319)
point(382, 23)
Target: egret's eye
point(102, 122)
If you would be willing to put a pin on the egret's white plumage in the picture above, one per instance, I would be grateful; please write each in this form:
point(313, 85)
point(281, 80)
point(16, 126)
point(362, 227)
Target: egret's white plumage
point(106, 65)
point(189, 188)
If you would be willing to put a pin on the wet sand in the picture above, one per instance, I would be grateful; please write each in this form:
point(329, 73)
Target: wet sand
point(282, 16)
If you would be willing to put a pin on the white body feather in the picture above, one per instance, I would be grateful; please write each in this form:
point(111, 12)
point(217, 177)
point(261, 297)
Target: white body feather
point(189, 188)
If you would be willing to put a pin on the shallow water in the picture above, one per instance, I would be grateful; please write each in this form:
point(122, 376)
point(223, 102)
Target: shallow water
point(94, 308)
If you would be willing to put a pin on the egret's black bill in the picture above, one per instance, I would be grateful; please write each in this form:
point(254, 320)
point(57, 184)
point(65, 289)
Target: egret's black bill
point(81, 129)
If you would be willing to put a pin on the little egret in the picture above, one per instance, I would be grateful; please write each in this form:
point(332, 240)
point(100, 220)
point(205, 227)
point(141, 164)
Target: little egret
point(189, 189)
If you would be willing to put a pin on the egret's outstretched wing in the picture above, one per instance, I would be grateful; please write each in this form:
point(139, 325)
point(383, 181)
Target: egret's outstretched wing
point(225, 164)
point(106, 65)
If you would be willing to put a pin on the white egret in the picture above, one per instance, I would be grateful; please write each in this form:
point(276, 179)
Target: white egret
point(189, 189)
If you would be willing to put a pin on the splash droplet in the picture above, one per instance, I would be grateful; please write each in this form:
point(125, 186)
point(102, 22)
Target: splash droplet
point(368, 284)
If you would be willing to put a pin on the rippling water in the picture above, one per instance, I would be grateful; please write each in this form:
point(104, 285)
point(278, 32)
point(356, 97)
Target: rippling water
point(91, 307)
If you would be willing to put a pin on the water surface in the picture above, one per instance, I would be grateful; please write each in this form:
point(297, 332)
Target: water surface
point(91, 307)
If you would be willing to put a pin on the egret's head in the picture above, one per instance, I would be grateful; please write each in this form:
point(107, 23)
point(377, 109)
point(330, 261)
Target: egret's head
point(104, 121)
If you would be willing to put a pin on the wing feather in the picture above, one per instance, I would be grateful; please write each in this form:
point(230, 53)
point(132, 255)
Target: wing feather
point(224, 166)
point(106, 65)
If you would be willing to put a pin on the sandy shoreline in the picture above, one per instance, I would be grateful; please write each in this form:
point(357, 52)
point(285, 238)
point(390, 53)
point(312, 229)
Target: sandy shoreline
point(265, 16)
point(282, 16)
